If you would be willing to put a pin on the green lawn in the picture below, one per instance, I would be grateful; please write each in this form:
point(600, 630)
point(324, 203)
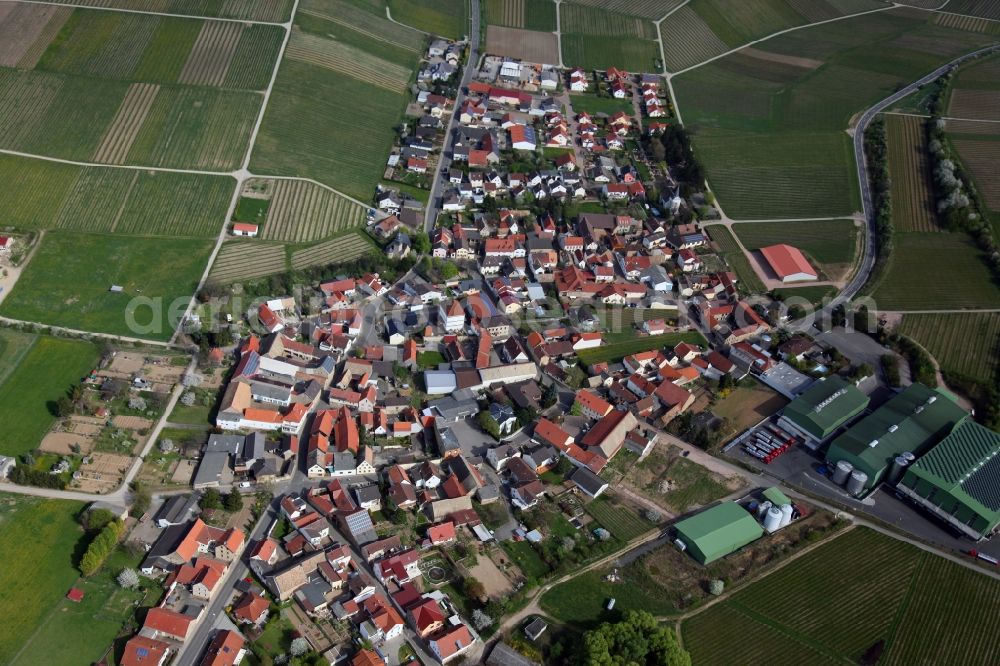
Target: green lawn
point(39, 541)
point(429, 359)
point(447, 18)
point(14, 346)
point(617, 351)
point(29, 393)
point(771, 135)
point(593, 104)
point(67, 283)
point(922, 608)
point(964, 282)
point(814, 295)
point(526, 558)
point(80, 632)
point(620, 323)
point(583, 600)
point(194, 415)
point(250, 209)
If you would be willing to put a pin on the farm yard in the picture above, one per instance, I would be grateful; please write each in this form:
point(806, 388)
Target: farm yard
point(41, 194)
point(37, 371)
point(247, 260)
point(327, 122)
point(596, 38)
point(965, 344)
point(967, 284)
point(907, 605)
point(771, 133)
point(38, 542)
point(67, 283)
point(528, 45)
point(910, 174)
point(526, 14)
point(831, 244)
point(341, 249)
point(447, 18)
point(301, 212)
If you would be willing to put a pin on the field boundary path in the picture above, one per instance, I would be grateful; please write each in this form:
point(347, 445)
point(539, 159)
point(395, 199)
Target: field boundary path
point(243, 173)
point(144, 11)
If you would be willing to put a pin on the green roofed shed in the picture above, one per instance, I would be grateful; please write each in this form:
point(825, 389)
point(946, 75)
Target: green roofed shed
point(776, 497)
point(913, 420)
point(959, 480)
point(822, 408)
point(718, 531)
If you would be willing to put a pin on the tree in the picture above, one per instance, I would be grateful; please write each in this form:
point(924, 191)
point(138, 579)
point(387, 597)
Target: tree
point(637, 639)
point(141, 499)
point(211, 499)
point(481, 620)
point(474, 589)
point(137, 403)
point(97, 519)
point(488, 425)
point(420, 242)
point(166, 445)
point(128, 579)
point(716, 587)
point(299, 647)
point(64, 407)
point(234, 501)
point(188, 399)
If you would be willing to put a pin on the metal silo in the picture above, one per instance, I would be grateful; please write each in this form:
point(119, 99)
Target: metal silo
point(856, 482)
point(897, 468)
point(772, 519)
point(762, 509)
point(786, 514)
point(841, 471)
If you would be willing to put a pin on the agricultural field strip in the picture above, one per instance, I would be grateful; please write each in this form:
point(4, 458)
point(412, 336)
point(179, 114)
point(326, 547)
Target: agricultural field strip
point(125, 126)
point(358, 29)
point(764, 39)
point(152, 13)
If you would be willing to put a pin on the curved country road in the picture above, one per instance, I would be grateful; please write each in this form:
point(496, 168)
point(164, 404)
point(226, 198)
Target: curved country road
point(861, 276)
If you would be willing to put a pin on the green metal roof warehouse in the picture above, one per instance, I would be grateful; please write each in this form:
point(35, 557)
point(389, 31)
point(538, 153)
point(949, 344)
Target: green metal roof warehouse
point(959, 480)
point(913, 420)
point(716, 532)
point(822, 408)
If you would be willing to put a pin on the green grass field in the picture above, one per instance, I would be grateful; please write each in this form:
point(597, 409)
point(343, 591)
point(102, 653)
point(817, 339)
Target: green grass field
point(84, 630)
point(966, 281)
point(813, 294)
point(67, 282)
point(47, 195)
point(826, 242)
point(328, 125)
point(923, 608)
point(526, 558)
point(35, 380)
point(582, 600)
point(447, 18)
point(38, 540)
point(594, 104)
point(619, 350)
point(770, 132)
point(963, 344)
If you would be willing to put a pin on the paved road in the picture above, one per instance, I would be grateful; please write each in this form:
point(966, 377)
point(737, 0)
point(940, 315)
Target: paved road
point(433, 201)
point(868, 260)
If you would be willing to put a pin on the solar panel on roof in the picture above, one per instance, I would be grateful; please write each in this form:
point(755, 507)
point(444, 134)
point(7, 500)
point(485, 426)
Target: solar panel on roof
point(141, 652)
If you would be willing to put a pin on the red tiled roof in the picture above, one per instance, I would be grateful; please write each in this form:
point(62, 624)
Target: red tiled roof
point(142, 651)
point(167, 622)
point(548, 432)
point(786, 260)
point(224, 649)
point(596, 435)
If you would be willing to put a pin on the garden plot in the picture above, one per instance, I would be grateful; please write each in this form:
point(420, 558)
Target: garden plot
point(76, 434)
point(301, 212)
point(101, 472)
point(208, 62)
point(528, 45)
point(26, 30)
point(338, 57)
point(338, 250)
point(125, 127)
point(247, 260)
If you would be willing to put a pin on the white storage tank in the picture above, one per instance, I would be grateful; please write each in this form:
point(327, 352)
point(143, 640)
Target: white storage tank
point(762, 509)
point(772, 519)
point(841, 471)
point(786, 514)
point(856, 483)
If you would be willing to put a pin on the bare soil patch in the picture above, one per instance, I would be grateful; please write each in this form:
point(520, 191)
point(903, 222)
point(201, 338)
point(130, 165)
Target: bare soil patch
point(529, 45)
point(22, 26)
point(494, 581)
